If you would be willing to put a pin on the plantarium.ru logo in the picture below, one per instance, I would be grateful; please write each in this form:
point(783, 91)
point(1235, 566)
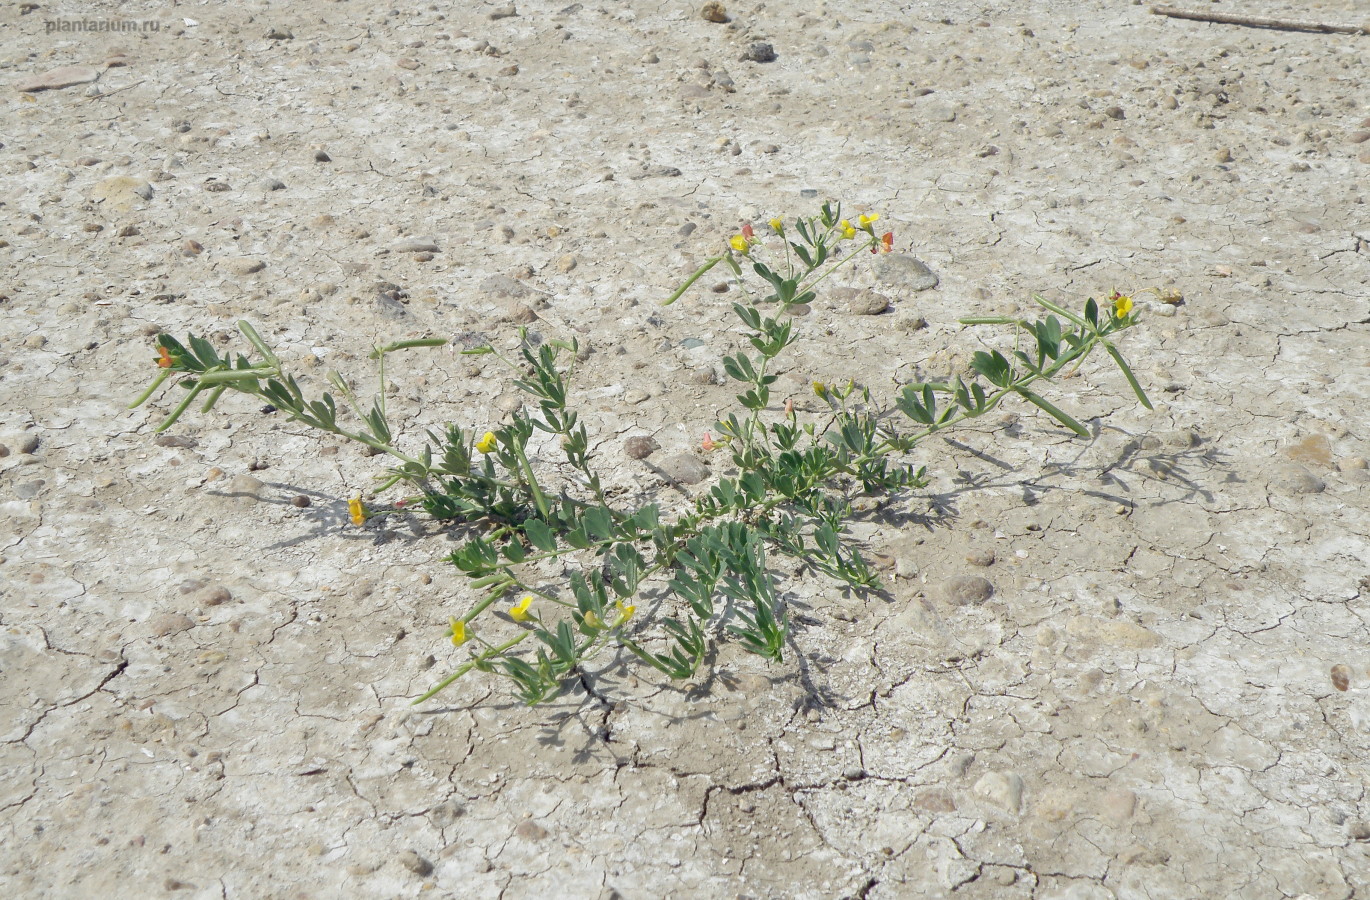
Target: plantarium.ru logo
point(68, 25)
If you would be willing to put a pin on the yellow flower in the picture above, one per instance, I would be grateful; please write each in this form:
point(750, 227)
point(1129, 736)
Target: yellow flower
point(740, 244)
point(355, 509)
point(487, 443)
point(459, 635)
point(848, 232)
point(820, 389)
point(867, 220)
point(593, 621)
point(778, 226)
point(519, 611)
point(1122, 304)
point(624, 612)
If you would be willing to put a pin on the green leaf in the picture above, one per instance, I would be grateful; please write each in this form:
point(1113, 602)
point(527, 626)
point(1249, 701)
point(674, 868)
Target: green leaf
point(993, 367)
point(1055, 413)
point(539, 535)
point(597, 521)
point(1127, 373)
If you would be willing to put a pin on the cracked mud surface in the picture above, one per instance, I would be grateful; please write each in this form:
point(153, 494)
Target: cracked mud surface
point(205, 688)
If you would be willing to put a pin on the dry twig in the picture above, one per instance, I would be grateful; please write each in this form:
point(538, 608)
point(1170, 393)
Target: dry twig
point(1256, 22)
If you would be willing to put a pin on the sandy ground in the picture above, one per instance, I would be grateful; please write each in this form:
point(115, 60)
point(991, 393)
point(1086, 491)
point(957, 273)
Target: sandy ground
point(206, 688)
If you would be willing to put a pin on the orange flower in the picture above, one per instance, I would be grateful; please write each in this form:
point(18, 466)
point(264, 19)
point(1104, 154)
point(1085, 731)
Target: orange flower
point(165, 361)
point(708, 442)
point(747, 231)
point(887, 242)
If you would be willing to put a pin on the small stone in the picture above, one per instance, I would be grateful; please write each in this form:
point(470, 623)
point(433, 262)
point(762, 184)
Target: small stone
point(640, 447)
point(56, 79)
point(389, 305)
point(685, 468)
point(1341, 677)
point(27, 443)
point(243, 265)
point(322, 156)
point(504, 12)
point(905, 567)
point(1115, 112)
point(704, 376)
point(967, 590)
point(301, 501)
point(415, 245)
point(35, 341)
point(1353, 464)
point(215, 595)
point(1359, 830)
point(566, 263)
point(1003, 789)
point(271, 184)
point(415, 863)
point(127, 231)
point(853, 773)
point(713, 11)
point(531, 831)
point(868, 303)
point(178, 441)
point(980, 557)
point(27, 490)
point(759, 51)
point(1223, 156)
point(191, 247)
point(1358, 137)
point(168, 624)
point(246, 484)
point(279, 34)
point(941, 112)
point(903, 270)
point(174, 884)
point(408, 63)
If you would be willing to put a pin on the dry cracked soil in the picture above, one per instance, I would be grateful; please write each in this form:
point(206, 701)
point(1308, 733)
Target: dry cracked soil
point(207, 680)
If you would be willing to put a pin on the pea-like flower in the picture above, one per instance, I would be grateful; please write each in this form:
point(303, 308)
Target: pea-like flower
point(487, 443)
point(164, 360)
point(820, 389)
point(740, 244)
point(887, 242)
point(708, 442)
point(1122, 305)
point(356, 511)
point(848, 232)
point(519, 611)
point(748, 232)
point(625, 612)
point(777, 226)
point(593, 621)
point(458, 631)
point(866, 222)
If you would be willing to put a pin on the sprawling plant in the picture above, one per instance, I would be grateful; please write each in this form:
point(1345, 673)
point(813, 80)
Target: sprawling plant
point(557, 567)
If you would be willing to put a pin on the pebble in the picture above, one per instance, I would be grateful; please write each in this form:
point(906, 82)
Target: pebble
point(980, 557)
point(566, 263)
point(168, 624)
point(121, 191)
point(1003, 789)
point(35, 341)
point(636, 396)
point(415, 863)
point(1358, 137)
point(1295, 479)
point(967, 590)
point(519, 314)
point(759, 51)
point(504, 12)
point(685, 468)
point(640, 446)
point(279, 34)
point(301, 501)
point(941, 112)
point(390, 307)
point(27, 444)
point(853, 773)
point(322, 156)
point(243, 265)
point(415, 245)
point(903, 270)
point(191, 247)
point(27, 490)
point(868, 303)
point(56, 79)
point(1341, 677)
point(178, 441)
point(271, 184)
point(713, 11)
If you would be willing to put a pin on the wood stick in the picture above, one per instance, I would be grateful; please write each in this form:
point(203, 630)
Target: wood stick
point(1254, 22)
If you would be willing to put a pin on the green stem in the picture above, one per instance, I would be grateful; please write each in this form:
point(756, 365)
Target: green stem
point(466, 667)
point(162, 376)
point(689, 282)
point(539, 499)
